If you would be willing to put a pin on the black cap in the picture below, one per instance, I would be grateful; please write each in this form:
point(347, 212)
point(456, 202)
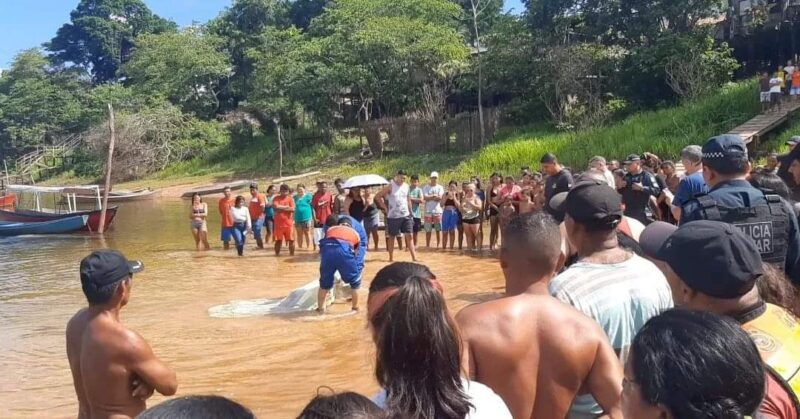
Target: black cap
point(548, 158)
point(590, 201)
point(711, 257)
point(632, 158)
point(106, 267)
point(725, 153)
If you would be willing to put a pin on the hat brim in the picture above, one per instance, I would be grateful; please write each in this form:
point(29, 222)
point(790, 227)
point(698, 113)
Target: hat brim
point(558, 202)
point(653, 238)
point(135, 266)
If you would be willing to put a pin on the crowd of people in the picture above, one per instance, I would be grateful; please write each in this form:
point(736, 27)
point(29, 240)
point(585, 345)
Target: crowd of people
point(630, 292)
point(775, 88)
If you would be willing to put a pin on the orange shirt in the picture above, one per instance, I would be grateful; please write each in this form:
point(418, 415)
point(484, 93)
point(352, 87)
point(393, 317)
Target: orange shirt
point(282, 218)
point(225, 206)
point(344, 233)
point(796, 79)
point(257, 206)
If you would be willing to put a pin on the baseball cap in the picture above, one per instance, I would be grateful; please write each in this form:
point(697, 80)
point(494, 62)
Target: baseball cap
point(725, 153)
point(590, 201)
point(106, 267)
point(711, 257)
point(632, 158)
point(434, 175)
point(794, 140)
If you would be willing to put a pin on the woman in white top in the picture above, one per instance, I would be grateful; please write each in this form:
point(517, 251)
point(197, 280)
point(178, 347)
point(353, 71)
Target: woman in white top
point(419, 350)
point(242, 224)
point(470, 207)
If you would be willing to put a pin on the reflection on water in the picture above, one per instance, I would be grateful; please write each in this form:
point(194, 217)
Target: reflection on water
point(271, 364)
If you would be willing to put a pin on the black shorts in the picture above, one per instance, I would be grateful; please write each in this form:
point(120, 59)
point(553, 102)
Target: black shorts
point(476, 220)
point(417, 225)
point(396, 227)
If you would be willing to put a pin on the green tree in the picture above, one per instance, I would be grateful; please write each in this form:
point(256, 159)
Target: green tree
point(387, 50)
point(302, 12)
point(185, 67)
point(100, 35)
point(38, 105)
point(241, 27)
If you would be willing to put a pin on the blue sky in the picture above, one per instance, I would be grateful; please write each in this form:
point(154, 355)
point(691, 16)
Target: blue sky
point(29, 23)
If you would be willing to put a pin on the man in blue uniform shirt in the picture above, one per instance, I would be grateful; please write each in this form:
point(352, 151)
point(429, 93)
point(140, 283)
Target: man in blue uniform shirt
point(640, 186)
point(766, 219)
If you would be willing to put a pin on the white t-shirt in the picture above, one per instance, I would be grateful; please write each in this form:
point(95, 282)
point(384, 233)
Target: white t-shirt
point(433, 207)
point(486, 404)
point(775, 85)
point(620, 297)
point(609, 176)
point(398, 201)
point(789, 71)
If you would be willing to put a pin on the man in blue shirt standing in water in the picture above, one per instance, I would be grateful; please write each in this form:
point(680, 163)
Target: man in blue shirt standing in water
point(344, 250)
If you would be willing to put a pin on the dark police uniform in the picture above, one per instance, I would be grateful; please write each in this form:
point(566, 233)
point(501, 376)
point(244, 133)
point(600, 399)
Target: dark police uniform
point(765, 218)
point(637, 203)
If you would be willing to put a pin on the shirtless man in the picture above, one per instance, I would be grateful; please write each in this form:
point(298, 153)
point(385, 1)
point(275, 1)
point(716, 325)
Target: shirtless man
point(113, 369)
point(534, 351)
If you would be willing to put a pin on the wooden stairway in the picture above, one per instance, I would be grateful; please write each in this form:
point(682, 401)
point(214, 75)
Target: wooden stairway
point(46, 157)
point(758, 128)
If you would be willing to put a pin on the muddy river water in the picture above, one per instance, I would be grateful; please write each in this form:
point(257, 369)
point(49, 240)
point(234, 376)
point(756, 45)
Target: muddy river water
point(272, 364)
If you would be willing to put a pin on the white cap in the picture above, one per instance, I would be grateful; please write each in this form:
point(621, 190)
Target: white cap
point(434, 174)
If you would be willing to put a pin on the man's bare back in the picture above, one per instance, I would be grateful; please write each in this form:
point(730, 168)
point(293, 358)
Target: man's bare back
point(114, 370)
point(106, 359)
point(538, 353)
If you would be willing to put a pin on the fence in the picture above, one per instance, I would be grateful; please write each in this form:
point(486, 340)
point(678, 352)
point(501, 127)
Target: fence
point(411, 134)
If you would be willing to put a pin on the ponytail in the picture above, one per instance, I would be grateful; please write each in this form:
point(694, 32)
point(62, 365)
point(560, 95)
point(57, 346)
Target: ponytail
point(418, 346)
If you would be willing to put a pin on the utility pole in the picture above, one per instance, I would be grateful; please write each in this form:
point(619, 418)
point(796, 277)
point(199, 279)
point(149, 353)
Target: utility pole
point(109, 164)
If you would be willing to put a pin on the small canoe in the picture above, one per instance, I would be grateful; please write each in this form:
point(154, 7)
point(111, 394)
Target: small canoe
point(120, 196)
point(60, 226)
point(216, 188)
point(29, 216)
point(8, 201)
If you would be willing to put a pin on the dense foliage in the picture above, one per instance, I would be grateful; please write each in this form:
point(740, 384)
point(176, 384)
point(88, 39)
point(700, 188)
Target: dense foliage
point(573, 63)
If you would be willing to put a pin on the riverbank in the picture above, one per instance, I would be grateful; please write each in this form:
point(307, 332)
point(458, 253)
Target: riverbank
point(664, 132)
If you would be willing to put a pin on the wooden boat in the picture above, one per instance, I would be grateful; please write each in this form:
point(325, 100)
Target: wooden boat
point(216, 188)
point(121, 196)
point(31, 216)
point(65, 205)
point(8, 201)
point(58, 226)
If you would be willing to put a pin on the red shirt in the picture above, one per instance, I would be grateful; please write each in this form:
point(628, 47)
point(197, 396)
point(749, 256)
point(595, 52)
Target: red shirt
point(777, 402)
point(225, 206)
point(284, 219)
point(322, 203)
point(256, 206)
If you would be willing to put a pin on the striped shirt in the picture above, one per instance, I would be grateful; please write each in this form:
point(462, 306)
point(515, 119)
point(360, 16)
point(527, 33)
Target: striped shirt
point(621, 297)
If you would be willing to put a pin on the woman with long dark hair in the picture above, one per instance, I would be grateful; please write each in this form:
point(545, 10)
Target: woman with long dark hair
point(493, 208)
point(372, 217)
point(242, 223)
point(692, 365)
point(269, 218)
point(450, 217)
point(419, 350)
point(199, 226)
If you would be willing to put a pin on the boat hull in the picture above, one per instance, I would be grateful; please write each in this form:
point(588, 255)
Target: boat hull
point(58, 226)
point(115, 197)
point(29, 216)
point(216, 189)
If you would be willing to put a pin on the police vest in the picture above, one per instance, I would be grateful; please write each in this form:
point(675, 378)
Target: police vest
point(776, 334)
point(767, 225)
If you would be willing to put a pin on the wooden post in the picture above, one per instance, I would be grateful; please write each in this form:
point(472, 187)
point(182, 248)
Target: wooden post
point(101, 228)
point(280, 148)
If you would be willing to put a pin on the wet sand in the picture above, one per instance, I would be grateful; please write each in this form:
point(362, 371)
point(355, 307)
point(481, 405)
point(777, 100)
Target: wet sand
point(273, 365)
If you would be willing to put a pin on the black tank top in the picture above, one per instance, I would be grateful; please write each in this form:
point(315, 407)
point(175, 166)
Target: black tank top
point(357, 210)
point(450, 203)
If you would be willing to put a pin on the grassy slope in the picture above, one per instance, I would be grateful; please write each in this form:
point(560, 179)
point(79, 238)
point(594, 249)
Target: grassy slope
point(662, 132)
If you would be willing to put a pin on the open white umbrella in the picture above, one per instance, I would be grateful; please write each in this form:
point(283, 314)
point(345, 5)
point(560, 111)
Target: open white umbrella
point(365, 181)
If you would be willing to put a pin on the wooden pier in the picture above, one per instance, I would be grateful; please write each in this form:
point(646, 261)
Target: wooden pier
point(759, 129)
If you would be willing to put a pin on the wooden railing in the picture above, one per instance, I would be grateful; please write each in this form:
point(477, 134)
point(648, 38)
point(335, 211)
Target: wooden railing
point(30, 163)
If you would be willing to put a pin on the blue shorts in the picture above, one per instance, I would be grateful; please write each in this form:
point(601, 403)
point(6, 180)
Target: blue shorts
point(227, 234)
point(338, 256)
point(450, 220)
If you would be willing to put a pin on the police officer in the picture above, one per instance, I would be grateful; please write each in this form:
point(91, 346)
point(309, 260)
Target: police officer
point(765, 218)
point(640, 186)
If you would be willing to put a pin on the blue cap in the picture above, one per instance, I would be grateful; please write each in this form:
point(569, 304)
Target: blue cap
point(725, 153)
point(712, 257)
